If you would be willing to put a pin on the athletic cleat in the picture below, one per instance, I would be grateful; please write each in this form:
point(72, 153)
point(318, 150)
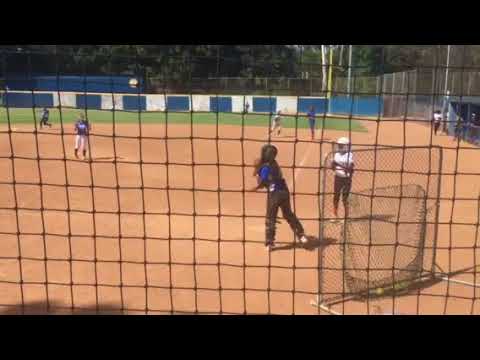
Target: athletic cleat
point(270, 245)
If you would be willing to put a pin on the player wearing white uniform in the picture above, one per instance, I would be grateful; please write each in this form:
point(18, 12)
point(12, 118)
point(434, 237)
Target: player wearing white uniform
point(343, 166)
point(82, 128)
point(277, 123)
point(437, 119)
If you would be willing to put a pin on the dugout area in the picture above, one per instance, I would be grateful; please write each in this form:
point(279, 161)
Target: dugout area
point(463, 118)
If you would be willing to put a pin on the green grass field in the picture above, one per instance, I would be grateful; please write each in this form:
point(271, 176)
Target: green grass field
point(26, 116)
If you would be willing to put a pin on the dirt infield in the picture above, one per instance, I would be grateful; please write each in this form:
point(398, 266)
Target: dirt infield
point(111, 238)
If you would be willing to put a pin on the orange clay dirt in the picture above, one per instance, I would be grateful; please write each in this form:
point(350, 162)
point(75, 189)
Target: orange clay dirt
point(149, 262)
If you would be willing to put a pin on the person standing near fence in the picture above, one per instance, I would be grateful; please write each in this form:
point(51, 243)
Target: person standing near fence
point(460, 129)
point(437, 120)
point(311, 121)
point(82, 129)
point(343, 166)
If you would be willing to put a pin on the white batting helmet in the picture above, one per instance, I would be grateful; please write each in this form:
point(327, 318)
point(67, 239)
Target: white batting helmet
point(343, 141)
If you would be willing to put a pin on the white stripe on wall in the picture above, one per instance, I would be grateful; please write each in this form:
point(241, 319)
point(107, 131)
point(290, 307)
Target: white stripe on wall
point(287, 104)
point(155, 102)
point(200, 102)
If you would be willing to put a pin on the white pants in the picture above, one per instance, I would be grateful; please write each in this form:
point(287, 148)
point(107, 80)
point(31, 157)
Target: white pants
point(81, 142)
point(276, 125)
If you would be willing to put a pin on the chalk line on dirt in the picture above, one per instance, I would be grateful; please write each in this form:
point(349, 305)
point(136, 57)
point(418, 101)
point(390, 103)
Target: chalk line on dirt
point(299, 169)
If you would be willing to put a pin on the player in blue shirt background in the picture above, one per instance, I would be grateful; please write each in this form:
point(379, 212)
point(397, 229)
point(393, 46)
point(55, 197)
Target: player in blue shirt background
point(269, 176)
point(82, 129)
point(311, 120)
point(44, 118)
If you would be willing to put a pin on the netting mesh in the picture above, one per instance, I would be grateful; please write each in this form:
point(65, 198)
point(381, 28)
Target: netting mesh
point(160, 218)
point(389, 234)
point(384, 237)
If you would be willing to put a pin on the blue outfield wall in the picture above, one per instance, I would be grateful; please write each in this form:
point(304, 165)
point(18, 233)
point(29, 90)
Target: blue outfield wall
point(27, 100)
point(320, 105)
point(220, 104)
point(89, 102)
point(356, 105)
point(264, 104)
point(339, 105)
point(178, 103)
point(135, 103)
point(93, 84)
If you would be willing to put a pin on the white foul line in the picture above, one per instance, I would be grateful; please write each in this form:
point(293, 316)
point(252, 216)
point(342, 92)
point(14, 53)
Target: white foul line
point(299, 169)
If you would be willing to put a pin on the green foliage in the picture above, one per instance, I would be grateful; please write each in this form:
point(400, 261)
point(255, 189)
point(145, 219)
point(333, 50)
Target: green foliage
point(184, 62)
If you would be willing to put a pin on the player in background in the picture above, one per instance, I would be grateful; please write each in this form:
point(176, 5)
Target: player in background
point(269, 176)
point(44, 118)
point(475, 119)
point(311, 121)
point(82, 129)
point(437, 119)
point(343, 166)
point(277, 123)
point(461, 128)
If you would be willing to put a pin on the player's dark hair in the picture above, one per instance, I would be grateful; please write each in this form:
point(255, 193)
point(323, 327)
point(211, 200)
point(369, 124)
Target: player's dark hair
point(269, 154)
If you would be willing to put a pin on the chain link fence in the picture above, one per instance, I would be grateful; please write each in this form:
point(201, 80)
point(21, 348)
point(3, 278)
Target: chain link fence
point(418, 93)
point(237, 86)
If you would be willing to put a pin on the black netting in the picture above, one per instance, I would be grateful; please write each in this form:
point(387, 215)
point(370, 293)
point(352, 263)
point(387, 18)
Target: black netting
point(161, 218)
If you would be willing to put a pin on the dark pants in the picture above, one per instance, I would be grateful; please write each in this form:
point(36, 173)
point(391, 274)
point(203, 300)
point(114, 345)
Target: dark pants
point(276, 200)
point(341, 187)
point(460, 132)
point(44, 121)
point(436, 126)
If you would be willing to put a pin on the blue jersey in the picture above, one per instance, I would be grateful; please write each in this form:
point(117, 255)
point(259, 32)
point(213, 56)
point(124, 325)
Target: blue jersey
point(311, 115)
point(82, 127)
point(272, 178)
point(45, 114)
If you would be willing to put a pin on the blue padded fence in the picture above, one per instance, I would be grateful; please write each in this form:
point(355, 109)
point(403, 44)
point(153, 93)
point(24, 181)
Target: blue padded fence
point(220, 104)
point(264, 104)
point(178, 103)
point(89, 102)
point(135, 103)
point(27, 100)
point(320, 105)
point(93, 84)
point(356, 105)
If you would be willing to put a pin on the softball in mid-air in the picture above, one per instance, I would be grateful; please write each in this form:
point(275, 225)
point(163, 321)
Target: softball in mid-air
point(379, 291)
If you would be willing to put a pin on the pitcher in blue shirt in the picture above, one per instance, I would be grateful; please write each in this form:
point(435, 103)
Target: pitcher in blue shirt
point(82, 129)
point(311, 121)
point(269, 176)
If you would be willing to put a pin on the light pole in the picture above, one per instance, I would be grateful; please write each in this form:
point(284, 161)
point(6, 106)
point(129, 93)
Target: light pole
point(446, 92)
point(349, 81)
